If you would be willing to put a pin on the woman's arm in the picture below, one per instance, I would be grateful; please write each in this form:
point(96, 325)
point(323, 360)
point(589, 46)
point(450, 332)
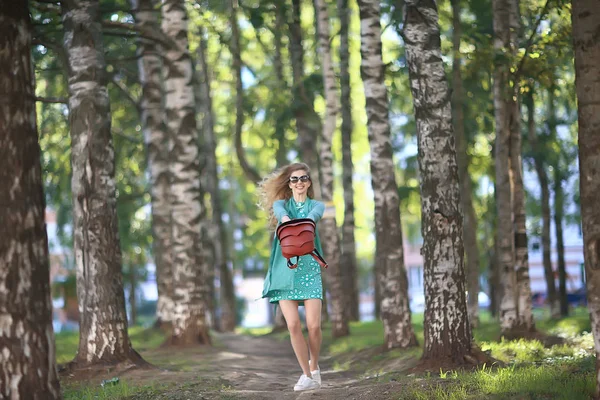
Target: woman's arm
point(279, 211)
point(317, 211)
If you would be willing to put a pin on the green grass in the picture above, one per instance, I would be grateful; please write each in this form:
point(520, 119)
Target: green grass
point(532, 371)
point(122, 390)
point(142, 339)
point(569, 381)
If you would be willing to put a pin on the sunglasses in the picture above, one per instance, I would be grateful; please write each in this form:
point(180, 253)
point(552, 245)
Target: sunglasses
point(303, 178)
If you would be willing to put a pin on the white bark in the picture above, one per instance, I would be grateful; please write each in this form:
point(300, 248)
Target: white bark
point(190, 284)
point(586, 43)
point(447, 330)
point(391, 274)
point(338, 315)
point(27, 361)
point(503, 110)
point(157, 143)
point(103, 336)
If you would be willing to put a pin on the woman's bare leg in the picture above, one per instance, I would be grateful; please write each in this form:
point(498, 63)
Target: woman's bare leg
point(313, 323)
point(289, 308)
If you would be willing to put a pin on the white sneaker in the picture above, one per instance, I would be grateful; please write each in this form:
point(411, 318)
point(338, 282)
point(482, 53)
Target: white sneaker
point(316, 375)
point(305, 383)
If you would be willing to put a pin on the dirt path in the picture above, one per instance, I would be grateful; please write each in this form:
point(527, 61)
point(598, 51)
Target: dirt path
point(266, 368)
point(243, 367)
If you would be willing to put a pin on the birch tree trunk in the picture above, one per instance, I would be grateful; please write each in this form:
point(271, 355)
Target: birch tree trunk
point(563, 304)
point(503, 109)
point(308, 123)
point(544, 199)
point(190, 273)
point(392, 279)
point(586, 25)
point(328, 225)
point(447, 331)
point(526, 322)
point(219, 237)
point(157, 144)
point(27, 365)
point(103, 336)
point(524, 306)
point(559, 201)
point(348, 259)
point(469, 218)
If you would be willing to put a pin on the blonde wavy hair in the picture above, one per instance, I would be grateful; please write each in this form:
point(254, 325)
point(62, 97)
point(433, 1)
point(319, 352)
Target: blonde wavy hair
point(276, 187)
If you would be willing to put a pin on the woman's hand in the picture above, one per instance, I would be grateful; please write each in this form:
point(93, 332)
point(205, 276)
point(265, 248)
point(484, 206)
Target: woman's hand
point(285, 218)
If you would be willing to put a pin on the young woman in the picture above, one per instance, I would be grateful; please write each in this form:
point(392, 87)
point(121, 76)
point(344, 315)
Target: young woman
point(288, 194)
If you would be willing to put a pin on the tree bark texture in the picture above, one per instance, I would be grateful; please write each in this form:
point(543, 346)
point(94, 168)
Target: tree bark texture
point(157, 143)
point(335, 274)
point(540, 168)
point(27, 365)
point(103, 336)
point(447, 330)
point(524, 301)
point(586, 43)
point(525, 307)
point(348, 259)
point(191, 283)
point(503, 109)
point(469, 218)
point(218, 231)
point(308, 123)
point(391, 279)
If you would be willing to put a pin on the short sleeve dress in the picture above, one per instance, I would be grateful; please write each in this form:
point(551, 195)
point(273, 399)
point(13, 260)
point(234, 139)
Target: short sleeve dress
point(303, 282)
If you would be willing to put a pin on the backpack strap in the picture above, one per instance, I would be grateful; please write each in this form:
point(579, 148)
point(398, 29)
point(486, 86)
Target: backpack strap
point(318, 258)
point(292, 265)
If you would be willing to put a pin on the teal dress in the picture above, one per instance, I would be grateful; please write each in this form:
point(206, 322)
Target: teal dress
point(303, 282)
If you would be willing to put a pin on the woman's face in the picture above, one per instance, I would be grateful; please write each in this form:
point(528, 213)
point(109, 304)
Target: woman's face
point(299, 182)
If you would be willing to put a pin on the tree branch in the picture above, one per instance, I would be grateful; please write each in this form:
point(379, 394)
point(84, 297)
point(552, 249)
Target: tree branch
point(529, 42)
point(52, 100)
point(151, 34)
point(126, 92)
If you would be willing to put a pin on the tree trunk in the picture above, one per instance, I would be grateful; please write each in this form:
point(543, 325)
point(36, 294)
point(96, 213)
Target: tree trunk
point(219, 237)
point(190, 281)
point(236, 56)
point(157, 143)
point(503, 109)
point(348, 259)
point(27, 365)
point(281, 122)
point(103, 336)
point(559, 200)
point(538, 154)
point(132, 295)
point(586, 25)
point(563, 303)
point(447, 330)
point(308, 123)
point(469, 218)
point(335, 279)
point(524, 301)
point(526, 322)
point(392, 279)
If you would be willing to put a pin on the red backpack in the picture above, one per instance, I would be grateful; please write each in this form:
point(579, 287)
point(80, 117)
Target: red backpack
point(297, 238)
